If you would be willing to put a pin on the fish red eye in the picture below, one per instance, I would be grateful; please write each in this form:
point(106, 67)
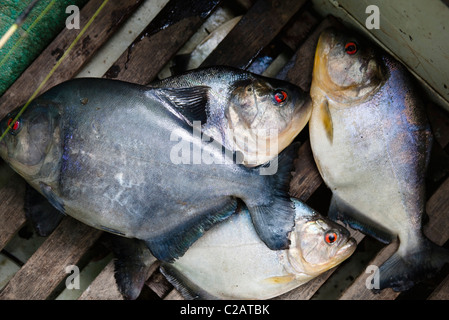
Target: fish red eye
point(280, 96)
point(351, 48)
point(15, 126)
point(331, 237)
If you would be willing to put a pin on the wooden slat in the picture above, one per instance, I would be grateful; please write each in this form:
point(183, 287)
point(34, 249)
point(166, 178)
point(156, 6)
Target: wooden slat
point(255, 30)
point(442, 291)
point(45, 270)
point(103, 287)
point(160, 41)
point(113, 14)
point(299, 69)
point(13, 215)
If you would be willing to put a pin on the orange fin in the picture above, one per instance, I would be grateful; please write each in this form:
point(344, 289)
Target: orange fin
point(326, 118)
point(280, 279)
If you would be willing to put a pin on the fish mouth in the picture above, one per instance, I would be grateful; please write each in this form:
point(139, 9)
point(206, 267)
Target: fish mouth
point(347, 249)
point(296, 125)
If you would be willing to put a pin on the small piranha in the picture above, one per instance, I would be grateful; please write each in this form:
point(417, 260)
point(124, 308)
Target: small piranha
point(230, 261)
point(119, 157)
point(371, 141)
point(248, 113)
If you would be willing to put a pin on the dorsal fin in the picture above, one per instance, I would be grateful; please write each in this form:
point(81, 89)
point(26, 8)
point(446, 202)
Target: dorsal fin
point(191, 102)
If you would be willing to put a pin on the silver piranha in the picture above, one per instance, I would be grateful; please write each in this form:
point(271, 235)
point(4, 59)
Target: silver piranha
point(371, 141)
point(119, 157)
point(247, 113)
point(230, 261)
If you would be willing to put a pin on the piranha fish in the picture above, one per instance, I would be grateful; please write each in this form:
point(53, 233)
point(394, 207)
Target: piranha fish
point(371, 141)
point(247, 113)
point(230, 261)
point(111, 154)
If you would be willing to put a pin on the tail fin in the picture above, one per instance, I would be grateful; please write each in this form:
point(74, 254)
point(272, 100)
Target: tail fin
point(274, 220)
point(402, 272)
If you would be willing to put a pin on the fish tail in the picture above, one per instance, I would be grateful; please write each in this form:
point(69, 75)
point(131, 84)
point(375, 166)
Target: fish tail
point(401, 272)
point(274, 221)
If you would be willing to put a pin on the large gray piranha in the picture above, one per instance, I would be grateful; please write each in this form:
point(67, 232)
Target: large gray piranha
point(120, 157)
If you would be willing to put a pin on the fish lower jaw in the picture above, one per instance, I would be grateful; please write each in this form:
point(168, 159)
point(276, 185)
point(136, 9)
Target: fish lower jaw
point(347, 249)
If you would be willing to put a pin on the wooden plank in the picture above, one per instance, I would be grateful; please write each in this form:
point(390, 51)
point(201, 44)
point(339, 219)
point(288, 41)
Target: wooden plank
point(306, 178)
point(103, 287)
point(13, 215)
point(299, 28)
point(45, 270)
point(159, 284)
point(299, 69)
point(113, 14)
point(160, 41)
point(258, 27)
point(436, 230)
point(442, 291)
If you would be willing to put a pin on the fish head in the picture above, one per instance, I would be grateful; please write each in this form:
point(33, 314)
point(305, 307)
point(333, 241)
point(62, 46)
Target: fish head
point(28, 138)
point(317, 243)
point(346, 67)
point(265, 115)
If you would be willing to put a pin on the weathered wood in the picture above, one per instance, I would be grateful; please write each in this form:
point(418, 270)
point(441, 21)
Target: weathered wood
point(174, 295)
point(306, 178)
point(264, 20)
point(113, 14)
point(299, 69)
point(45, 270)
point(439, 120)
point(436, 230)
point(159, 284)
point(442, 291)
point(160, 41)
point(12, 215)
point(103, 287)
point(299, 28)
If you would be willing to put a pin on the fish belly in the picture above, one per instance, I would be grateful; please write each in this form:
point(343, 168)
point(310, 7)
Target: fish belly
point(358, 165)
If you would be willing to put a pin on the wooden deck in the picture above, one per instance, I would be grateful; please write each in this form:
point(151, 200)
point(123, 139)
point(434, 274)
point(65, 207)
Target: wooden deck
point(268, 27)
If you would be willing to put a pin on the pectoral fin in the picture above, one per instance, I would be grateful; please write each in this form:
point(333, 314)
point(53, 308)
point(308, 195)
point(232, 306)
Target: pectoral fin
point(326, 119)
point(43, 216)
point(186, 288)
point(132, 264)
point(52, 197)
point(191, 102)
point(280, 279)
point(174, 243)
